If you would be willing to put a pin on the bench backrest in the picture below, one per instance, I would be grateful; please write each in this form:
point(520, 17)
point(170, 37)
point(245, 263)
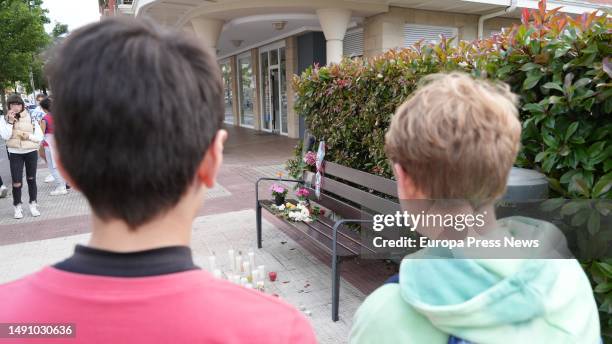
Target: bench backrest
point(345, 194)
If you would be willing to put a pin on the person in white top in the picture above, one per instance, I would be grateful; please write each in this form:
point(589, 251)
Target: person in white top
point(38, 113)
point(23, 136)
point(47, 127)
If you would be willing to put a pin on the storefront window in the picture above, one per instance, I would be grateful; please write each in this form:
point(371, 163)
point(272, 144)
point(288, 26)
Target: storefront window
point(247, 91)
point(266, 118)
point(283, 91)
point(226, 72)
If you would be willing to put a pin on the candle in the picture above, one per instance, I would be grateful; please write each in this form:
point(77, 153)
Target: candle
point(238, 263)
point(252, 258)
point(246, 267)
point(230, 252)
point(272, 276)
point(217, 273)
point(212, 263)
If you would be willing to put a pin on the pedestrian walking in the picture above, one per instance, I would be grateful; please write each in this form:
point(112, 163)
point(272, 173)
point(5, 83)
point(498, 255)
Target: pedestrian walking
point(46, 126)
point(23, 136)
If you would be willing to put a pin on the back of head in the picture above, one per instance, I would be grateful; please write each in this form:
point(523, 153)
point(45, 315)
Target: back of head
point(45, 104)
point(457, 137)
point(135, 110)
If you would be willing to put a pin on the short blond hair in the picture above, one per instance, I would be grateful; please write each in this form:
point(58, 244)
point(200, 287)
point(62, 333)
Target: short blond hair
point(457, 137)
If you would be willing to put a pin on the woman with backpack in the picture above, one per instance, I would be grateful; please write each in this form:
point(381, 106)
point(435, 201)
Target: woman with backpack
point(23, 136)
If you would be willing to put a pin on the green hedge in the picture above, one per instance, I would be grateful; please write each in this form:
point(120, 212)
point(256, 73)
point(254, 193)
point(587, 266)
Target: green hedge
point(560, 68)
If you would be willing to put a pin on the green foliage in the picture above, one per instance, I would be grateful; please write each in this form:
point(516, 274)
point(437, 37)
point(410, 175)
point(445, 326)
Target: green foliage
point(22, 36)
point(59, 30)
point(558, 65)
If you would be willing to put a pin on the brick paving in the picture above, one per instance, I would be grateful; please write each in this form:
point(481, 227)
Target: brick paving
point(30, 243)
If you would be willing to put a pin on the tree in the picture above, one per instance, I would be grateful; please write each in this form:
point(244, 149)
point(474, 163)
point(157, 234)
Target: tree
point(22, 36)
point(59, 30)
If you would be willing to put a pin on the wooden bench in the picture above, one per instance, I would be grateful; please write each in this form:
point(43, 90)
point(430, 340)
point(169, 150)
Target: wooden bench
point(343, 192)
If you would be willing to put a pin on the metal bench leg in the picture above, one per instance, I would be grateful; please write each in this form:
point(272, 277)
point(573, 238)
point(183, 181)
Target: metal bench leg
point(335, 286)
point(258, 220)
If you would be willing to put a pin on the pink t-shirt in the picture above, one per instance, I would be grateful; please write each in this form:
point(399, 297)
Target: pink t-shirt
point(48, 118)
point(183, 307)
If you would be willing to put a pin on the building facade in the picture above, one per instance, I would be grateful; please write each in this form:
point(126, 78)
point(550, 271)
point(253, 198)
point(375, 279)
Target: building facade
point(261, 44)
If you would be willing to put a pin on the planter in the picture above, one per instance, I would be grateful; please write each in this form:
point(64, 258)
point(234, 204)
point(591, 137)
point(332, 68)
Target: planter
point(279, 200)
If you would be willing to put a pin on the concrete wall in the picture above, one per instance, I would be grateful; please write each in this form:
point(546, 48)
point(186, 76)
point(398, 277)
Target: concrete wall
point(386, 31)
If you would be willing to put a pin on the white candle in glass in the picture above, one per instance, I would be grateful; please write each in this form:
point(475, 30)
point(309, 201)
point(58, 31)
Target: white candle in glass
point(246, 267)
point(217, 273)
point(212, 263)
point(252, 259)
point(261, 272)
point(238, 264)
point(230, 252)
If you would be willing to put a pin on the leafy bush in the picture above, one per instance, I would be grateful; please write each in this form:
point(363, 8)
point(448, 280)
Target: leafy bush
point(558, 65)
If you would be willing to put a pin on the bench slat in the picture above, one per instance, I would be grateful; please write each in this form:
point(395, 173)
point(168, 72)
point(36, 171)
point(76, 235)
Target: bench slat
point(363, 198)
point(370, 181)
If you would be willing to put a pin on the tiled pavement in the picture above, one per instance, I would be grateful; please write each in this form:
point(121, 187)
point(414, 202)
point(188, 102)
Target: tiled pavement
point(30, 243)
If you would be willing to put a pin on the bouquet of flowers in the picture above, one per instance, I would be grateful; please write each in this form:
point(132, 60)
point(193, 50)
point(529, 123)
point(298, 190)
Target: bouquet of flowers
point(298, 212)
point(310, 158)
point(279, 192)
point(302, 194)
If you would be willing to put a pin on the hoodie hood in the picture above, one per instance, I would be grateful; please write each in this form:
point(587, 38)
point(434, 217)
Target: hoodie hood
point(493, 300)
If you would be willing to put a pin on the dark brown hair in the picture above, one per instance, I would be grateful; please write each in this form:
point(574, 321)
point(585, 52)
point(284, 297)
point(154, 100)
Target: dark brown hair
point(135, 109)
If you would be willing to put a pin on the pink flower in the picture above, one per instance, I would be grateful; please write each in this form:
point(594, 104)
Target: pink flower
point(310, 158)
point(278, 189)
point(302, 193)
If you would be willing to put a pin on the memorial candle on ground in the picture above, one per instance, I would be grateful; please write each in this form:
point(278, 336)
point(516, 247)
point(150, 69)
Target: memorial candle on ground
point(252, 259)
point(212, 263)
point(246, 267)
point(232, 260)
point(238, 263)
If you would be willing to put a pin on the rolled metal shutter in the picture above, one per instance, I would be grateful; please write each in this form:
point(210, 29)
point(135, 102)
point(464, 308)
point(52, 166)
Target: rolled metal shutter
point(353, 43)
point(414, 33)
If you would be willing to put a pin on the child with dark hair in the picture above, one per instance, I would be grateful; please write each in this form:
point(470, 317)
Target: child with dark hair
point(46, 125)
point(144, 174)
point(23, 136)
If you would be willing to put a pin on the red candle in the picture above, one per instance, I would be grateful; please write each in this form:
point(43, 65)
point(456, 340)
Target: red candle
point(272, 276)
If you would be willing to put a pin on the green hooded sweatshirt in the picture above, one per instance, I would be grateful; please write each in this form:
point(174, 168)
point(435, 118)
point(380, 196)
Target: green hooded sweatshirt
point(481, 301)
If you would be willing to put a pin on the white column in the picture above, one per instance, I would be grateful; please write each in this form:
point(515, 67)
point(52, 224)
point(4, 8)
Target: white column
point(208, 31)
point(334, 22)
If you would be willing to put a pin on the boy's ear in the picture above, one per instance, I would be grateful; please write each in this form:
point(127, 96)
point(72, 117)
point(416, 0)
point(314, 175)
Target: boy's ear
point(209, 167)
point(406, 188)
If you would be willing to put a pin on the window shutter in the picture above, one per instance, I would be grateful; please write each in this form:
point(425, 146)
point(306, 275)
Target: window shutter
point(353, 43)
point(414, 33)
